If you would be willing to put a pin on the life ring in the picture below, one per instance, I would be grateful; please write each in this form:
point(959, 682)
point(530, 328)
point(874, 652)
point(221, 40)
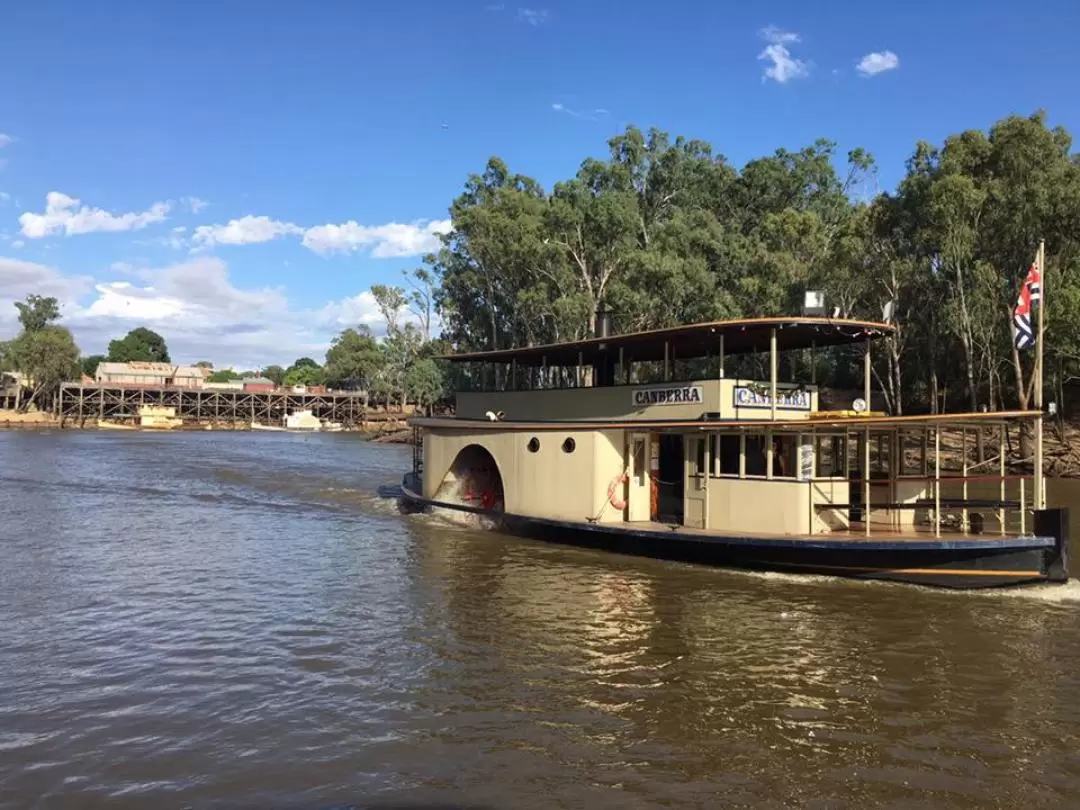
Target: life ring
point(612, 487)
point(487, 499)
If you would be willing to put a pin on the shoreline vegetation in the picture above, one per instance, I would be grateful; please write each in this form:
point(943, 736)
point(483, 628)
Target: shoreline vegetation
point(659, 231)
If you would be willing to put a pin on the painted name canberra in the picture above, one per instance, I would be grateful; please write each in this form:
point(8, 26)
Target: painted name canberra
point(675, 395)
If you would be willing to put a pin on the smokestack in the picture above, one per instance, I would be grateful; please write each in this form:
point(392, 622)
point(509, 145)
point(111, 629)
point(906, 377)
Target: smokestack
point(603, 323)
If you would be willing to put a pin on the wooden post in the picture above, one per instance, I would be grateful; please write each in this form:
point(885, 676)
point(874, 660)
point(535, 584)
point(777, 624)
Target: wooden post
point(963, 448)
point(866, 375)
point(667, 361)
point(513, 374)
point(866, 480)
point(773, 372)
point(622, 372)
point(1001, 472)
point(721, 355)
point(937, 481)
point(1038, 501)
point(813, 362)
point(580, 363)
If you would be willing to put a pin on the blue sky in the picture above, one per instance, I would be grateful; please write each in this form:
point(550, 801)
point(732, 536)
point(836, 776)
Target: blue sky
point(316, 130)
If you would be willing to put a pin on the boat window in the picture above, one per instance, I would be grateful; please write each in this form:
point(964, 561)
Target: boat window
point(880, 447)
point(785, 455)
point(755, 454)
point(639, 462)
point(726, 454)
point(830, 456)
point(699, 444)
point(912, 453)
point(569, 445)
point(533, 445)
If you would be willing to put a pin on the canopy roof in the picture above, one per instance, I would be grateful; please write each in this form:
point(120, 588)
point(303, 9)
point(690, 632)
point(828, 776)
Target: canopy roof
point(689, 342)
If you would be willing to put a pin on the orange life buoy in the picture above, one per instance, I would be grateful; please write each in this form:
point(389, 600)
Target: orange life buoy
point(619, 504)
point(487, 500)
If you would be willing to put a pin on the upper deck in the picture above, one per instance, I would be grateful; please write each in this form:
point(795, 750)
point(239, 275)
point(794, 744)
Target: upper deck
point(675, 373)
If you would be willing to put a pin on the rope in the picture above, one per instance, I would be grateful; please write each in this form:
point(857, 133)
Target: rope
point(607, 500)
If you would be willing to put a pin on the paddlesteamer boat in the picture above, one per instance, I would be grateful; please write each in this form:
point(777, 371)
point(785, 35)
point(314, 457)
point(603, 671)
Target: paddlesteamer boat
point(641, 443)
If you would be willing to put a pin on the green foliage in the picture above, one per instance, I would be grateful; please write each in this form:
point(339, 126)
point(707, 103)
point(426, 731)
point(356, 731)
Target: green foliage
point(304, 371)
point(37, 312)
point(223, 375)
point(354, 359)
point(89, 365)
point(139, 344)
point(664, 232)
point(424, 382)
point(275, 373)
point(47, 356)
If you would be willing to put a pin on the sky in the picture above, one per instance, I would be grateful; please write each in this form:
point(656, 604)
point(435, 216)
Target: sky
point(236, 176)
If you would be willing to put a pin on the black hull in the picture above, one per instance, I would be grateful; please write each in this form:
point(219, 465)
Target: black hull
point(970, 564)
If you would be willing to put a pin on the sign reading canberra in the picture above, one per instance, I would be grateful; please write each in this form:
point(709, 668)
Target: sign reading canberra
point(670, 395)
point(792, 398)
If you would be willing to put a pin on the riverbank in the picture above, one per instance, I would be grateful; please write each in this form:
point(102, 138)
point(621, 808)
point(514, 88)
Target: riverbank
point(382, 427)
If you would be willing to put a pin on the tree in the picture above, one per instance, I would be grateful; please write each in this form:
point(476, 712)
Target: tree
point(274, 373)
point(204, 364)
point(304, 371)
point(424, 382)
point(390, 300)
point(140, 344)
point(90, 364)
point(421, 299)
point(37, 312)
point(47, 356)
point(223, 375)
point(354, 359)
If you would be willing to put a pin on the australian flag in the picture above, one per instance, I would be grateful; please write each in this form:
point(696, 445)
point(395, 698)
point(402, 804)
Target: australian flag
point(1029, 292)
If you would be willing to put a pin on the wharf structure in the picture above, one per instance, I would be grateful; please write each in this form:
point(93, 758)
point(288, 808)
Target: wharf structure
point(600, 442)
point(81, 403)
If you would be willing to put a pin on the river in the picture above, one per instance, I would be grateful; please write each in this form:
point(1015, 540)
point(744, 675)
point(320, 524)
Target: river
point(239, 620)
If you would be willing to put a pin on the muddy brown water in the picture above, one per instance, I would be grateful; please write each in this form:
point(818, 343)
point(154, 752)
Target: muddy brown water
point(239, 620)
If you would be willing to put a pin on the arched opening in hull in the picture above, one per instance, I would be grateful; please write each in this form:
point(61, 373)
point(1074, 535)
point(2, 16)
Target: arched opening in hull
point(473, 480)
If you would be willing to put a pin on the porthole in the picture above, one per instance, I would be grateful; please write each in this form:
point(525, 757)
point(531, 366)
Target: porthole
point(533, 445)
point(569, 445)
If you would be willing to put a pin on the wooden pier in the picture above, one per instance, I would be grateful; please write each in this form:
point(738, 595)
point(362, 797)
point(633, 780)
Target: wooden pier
point(78, 404)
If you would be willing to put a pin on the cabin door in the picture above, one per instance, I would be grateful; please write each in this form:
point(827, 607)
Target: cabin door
point(639, 497)
point(696, 482)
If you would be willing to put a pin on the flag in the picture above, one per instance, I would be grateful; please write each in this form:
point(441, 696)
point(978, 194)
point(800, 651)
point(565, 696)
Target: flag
point(1030, 291)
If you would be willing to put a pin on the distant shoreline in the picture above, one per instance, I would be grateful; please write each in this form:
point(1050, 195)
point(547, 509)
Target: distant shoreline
point(390, 429)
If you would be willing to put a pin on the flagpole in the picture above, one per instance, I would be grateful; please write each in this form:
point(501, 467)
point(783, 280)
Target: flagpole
point(1040, 500)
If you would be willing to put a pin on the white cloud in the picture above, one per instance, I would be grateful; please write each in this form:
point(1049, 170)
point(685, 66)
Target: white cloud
point(194, 305)
point(5, 140)
point(247, 230)
point(386, 241)
point(19, 279)
point(195, 204)
point(533, 16)
point(878, 62)
point(5, 197)
point(18, 243)
point(589, 115)
point(61, 215)
point(785, 67)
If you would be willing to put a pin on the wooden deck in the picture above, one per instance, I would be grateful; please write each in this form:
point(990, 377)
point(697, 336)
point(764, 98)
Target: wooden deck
point(855, 536)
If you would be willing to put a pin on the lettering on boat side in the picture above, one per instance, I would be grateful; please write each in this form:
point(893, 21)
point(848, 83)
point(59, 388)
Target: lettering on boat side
point(792, 398)
point(672, 395)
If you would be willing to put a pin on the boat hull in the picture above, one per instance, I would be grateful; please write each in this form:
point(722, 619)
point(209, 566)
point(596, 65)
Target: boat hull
point(968, 564)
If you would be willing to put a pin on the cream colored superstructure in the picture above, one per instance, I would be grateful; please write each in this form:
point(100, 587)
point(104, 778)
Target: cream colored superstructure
point(726, 398)
point(716, 454)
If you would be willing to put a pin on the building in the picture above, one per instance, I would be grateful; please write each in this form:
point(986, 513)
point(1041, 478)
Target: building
point(259, 385)
point(149, 375)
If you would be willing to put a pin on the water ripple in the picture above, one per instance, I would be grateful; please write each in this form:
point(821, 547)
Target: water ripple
point(241, 621)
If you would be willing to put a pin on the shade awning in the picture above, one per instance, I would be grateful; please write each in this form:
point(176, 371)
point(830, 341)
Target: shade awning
point(689, 342)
